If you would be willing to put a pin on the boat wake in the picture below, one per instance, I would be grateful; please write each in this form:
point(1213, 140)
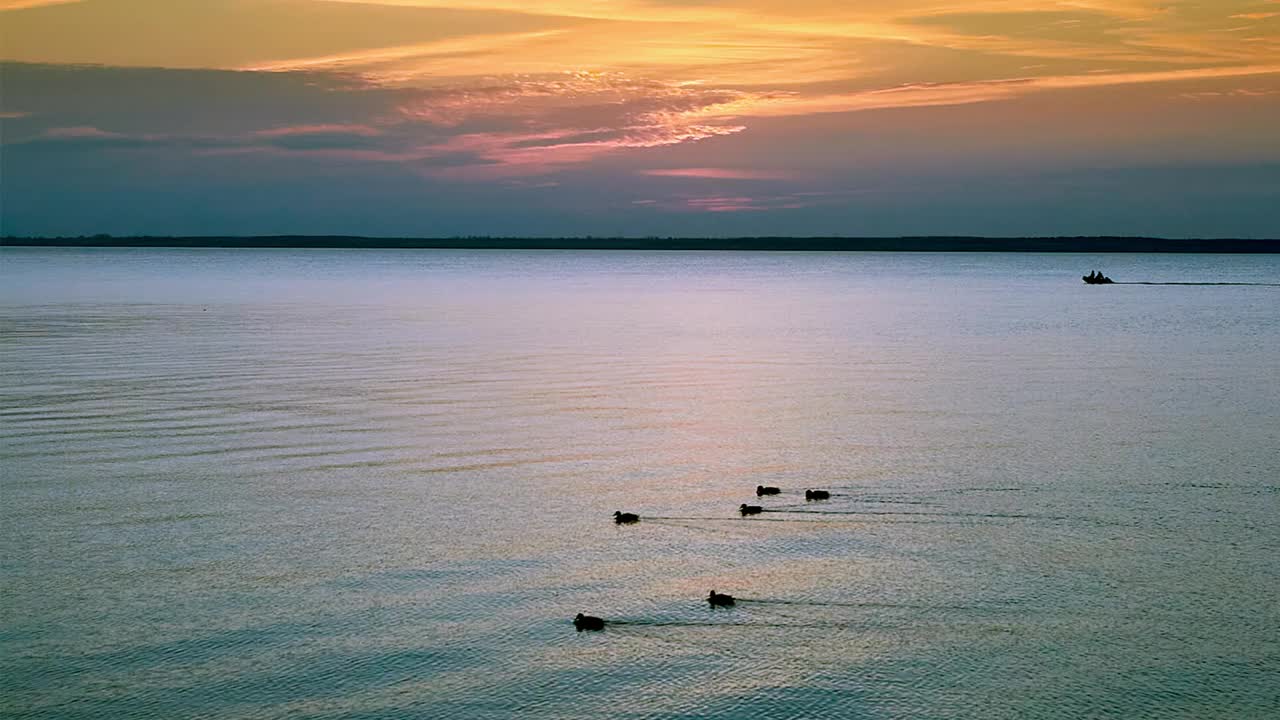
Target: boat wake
point(1247, 284)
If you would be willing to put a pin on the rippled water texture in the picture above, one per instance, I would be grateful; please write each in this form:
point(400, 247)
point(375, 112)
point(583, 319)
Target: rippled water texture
point(349, 484)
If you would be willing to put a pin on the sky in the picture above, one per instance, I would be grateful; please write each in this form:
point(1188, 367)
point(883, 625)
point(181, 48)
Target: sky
point(640, 117)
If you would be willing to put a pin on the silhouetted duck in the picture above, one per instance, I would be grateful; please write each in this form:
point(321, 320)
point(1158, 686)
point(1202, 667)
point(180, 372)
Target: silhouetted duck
point(720, 599)
point(625, 518)
point(750, 509)
point(762, 490)
point(587, 622)
point(817, 495)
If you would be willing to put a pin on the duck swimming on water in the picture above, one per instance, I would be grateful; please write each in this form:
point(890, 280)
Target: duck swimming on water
point(817, 495)
point(625, 518)
point(762, 490)
point(720, 599)
point(587, 622)
point(746, 509)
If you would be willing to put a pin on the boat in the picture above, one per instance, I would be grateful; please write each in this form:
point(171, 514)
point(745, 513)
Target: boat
point(1096, 278)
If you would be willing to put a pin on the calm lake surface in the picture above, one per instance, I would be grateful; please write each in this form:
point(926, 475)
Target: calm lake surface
point(379, 484)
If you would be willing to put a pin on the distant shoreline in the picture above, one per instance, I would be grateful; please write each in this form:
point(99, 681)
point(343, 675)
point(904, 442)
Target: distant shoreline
point(772, 244)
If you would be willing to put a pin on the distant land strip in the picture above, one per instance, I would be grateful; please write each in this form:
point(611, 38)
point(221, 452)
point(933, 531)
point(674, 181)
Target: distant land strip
point(825, 244)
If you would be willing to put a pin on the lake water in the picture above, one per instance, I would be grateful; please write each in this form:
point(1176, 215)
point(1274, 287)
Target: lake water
point(379, 484)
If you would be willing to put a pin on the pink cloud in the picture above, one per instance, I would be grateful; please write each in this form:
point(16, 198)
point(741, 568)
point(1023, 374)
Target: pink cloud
point(524, 153)
point(722, 203)
point(537, 124)
point(362, 130)
point(79, 131)
point(739, 203)
point(718, 174)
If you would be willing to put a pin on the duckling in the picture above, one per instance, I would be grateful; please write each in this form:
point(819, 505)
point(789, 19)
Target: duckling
point(720, 599)
point(817, 495)
point(625, 518)
point(750, 509)
point(762, 490)
point(587, 622)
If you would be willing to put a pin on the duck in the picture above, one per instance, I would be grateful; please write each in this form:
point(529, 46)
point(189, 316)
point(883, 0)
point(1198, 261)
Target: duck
point(625, 518)
point(746, 509)
point(817, 495)
point(762, 490)
point(720, 599)
point(587, 622)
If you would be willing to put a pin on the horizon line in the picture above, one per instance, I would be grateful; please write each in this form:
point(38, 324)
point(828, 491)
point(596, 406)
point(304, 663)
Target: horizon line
point(775, 243)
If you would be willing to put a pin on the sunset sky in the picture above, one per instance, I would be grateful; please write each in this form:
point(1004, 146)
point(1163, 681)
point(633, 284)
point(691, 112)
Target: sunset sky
point(641, 117)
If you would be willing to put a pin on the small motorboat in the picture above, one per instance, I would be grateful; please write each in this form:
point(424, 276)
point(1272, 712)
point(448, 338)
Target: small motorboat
point(1096, 278)
point(762, 490)
point(746, 509)
point(817, 495)
point(625, 518)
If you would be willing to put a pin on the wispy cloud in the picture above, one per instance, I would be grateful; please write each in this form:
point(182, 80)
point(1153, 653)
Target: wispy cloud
point(20, 4)
point(962, 93)
point(723, 203)
point(718, 174)
point(533, 123)
point(1246, 93)
point(739, 203)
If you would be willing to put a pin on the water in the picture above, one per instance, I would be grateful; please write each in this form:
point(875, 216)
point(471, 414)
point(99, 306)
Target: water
point(379, 484)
